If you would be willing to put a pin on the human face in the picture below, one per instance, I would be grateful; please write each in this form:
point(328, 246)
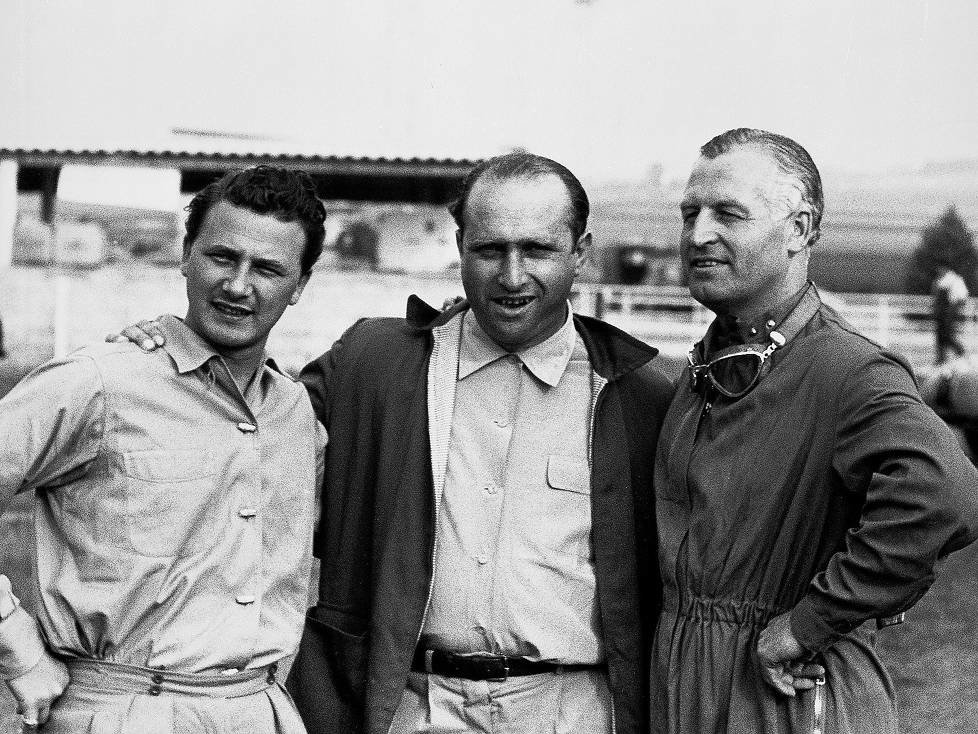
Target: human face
point(744, 234)
point(519, 257)
point(242, 271)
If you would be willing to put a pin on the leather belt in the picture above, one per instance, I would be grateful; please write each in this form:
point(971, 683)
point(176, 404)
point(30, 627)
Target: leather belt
point(484, 666)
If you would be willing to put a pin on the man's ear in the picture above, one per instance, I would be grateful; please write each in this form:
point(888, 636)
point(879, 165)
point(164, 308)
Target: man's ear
point(294, 298)
point(801, 229)
point(582, 249)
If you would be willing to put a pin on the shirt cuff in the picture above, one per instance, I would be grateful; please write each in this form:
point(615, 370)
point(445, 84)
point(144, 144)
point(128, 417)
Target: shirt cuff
point(21, 645)
point(812, 632)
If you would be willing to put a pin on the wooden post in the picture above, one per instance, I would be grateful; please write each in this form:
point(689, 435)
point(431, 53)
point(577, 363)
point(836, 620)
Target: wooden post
point(8, 210)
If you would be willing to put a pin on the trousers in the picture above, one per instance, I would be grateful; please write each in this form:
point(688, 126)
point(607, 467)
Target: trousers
point(561, 702)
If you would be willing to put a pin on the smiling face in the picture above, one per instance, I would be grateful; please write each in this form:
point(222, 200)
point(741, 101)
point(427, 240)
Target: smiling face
point(745, 231)
point(519, 257)
point(243, 270)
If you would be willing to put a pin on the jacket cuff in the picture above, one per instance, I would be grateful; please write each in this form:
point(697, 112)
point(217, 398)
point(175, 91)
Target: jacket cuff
point(812, 632)
point(21, 644)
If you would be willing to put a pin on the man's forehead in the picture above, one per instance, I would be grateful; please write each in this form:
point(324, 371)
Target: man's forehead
point(491, 193)
point(743, 171)
point(227, 224)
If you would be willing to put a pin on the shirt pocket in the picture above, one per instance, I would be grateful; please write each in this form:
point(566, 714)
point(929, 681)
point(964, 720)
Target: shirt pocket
point(566, 517)
point(171, 506)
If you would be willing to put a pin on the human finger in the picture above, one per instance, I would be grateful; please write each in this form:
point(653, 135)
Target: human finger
point(807, 670)
point(779, 679)
point(137, 335)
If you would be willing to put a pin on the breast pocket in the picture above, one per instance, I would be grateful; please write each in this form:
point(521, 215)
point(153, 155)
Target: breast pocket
point(172, 505)
point(567, 522)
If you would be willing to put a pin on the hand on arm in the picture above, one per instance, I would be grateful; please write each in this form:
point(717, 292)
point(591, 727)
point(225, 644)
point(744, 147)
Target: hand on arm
point(784, 664)
point(147, 334)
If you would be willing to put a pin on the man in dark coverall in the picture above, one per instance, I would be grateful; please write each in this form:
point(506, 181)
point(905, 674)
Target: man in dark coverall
point(803, 489)
point(488, 488)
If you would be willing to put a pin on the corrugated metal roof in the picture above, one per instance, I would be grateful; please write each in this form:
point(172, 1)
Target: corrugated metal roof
point(193, 150)
point(218, 155)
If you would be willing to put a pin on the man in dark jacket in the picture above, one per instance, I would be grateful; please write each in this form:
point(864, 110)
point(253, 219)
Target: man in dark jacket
point(488, 493)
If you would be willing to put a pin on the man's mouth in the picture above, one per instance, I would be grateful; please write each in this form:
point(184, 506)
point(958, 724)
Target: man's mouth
point(705, 262)
point(231, 310)
point(513, 302)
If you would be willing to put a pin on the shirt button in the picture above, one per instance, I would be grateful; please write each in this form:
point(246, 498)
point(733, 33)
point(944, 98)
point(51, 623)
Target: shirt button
point(157, 678)
point(245, 599)
point(155, 690)
point(482, 558)
point(247, 512)
point(247, 428)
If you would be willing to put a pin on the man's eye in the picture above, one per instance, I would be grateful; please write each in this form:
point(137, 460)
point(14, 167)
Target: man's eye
point(689, 215)
point(728, 214)
point(220, 257)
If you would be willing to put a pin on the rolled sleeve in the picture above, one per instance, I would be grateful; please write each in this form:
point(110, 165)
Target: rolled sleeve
point(920, 504)
point(21, 644)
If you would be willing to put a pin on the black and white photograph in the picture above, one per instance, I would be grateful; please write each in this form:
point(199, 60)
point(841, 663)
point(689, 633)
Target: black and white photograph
point(551, 367)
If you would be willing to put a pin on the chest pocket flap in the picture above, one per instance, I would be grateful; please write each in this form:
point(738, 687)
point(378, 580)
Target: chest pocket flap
point(568, 473)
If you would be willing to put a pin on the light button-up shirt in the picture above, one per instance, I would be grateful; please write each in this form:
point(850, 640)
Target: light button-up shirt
point(514, 571)
point(174, 514)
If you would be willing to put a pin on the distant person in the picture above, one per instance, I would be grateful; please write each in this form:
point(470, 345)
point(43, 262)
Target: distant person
point(950, 295)
point(952, 391)
point(803, 489)
point(175, 494)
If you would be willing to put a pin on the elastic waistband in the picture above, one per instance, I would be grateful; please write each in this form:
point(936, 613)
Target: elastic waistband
point(733, 611)
point(102, 675)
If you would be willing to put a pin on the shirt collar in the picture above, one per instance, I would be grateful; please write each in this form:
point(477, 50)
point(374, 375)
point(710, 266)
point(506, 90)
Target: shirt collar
point(189, 350)
point(547, 360)
point(728, 330)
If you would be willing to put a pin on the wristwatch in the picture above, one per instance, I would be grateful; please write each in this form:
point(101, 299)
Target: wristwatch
point(8, 602)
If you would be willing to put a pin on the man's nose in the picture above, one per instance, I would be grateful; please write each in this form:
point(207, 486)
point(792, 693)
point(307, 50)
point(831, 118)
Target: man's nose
point(701, 230)
point(513, 274)
point(237, 283)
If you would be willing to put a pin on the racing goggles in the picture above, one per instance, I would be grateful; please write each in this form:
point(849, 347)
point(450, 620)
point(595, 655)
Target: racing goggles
point(735, 371)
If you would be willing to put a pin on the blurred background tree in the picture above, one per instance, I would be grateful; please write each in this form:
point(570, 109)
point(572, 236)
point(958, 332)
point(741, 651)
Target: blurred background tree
point(946, 243)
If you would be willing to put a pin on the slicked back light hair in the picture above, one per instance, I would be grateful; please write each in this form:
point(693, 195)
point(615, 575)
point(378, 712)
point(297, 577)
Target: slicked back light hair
point(792, 159)
point(287, 195)
point(526, 165)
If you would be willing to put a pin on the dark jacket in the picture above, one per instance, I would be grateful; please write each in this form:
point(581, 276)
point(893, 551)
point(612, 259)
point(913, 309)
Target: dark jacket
point(376, 533)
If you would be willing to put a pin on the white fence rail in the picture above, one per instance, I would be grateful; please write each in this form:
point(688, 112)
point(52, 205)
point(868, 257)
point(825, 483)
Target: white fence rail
point(671, 320)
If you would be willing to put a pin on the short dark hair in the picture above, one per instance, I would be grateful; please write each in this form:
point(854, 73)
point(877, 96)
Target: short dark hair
point(792, 159)
point(526, 165)
point(288, 195)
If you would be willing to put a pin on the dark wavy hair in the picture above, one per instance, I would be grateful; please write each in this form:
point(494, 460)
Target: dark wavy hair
point(526, 165)
point(792, 159)
point(289, 196)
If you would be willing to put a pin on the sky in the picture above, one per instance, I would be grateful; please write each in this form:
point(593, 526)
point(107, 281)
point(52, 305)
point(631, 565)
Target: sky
point(608, 87)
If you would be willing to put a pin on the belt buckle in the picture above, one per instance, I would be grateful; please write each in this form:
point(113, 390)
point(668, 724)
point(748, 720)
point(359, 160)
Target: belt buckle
point(491, 661)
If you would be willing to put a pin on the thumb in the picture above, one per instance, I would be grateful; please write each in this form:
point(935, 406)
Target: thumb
point(29, 714)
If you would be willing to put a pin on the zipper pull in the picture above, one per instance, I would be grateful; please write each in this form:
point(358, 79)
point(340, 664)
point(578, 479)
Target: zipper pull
point(818, 716)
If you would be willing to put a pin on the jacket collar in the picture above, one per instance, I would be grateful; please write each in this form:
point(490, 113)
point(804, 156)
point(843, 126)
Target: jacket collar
point(612, 352)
